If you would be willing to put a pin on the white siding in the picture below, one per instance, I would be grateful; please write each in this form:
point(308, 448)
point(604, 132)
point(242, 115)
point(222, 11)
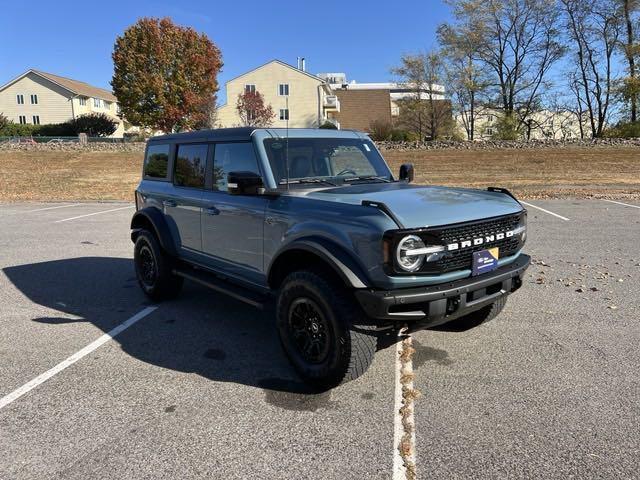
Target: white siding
point(54, 102)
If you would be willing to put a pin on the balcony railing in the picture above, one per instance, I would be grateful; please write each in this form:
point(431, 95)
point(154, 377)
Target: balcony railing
point(331, 102)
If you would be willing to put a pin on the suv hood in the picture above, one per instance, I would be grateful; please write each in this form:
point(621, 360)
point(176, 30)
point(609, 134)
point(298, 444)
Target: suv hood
point(425, 206)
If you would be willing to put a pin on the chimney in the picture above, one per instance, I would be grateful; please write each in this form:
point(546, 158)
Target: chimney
point(298, 62)
point(302, 65)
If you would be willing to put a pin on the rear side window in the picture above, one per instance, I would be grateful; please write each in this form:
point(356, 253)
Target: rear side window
point(191, 163)
point(156, 161)
point(233, 157)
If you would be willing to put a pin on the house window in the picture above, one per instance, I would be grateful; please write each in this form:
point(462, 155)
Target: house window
point(250, 88)
point(34, 99)
point(97, 102)
point(107, 105)
point(284, 114)
point(36, 119)
point(83, 101)
point(489, 131)
point(22, 119)
point(283, 89)
point(20, 99)
point(490, 118)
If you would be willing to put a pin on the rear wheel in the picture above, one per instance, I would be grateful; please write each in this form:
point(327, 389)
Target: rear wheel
point(154, 268)
point(323, 331)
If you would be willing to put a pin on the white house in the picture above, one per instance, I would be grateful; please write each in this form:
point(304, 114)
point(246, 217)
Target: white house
point(40, 98)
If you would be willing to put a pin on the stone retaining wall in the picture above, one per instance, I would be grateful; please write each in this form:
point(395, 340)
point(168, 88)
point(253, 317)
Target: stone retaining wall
point(402, 146)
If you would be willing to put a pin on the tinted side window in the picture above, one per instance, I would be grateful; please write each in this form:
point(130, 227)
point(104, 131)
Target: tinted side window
point(191, 162)
point(155, 163)
point(233, 157)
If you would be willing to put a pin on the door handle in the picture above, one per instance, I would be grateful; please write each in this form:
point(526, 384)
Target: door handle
point(169, 203)
point(212, 211)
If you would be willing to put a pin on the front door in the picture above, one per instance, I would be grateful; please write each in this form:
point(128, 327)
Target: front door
point(232, 225)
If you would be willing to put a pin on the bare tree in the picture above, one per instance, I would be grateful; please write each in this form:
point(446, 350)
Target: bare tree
point(631, 84)
point(593, 30)
point(518, 42)
point(466, 77)
point(423, 111)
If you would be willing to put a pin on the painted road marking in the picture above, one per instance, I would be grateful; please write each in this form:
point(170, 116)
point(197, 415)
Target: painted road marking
point(27, 387)
point(399, 472)
point(620, 203)
point(404, 431)
point(94, 213)
point(545, 211)
point(53, 208)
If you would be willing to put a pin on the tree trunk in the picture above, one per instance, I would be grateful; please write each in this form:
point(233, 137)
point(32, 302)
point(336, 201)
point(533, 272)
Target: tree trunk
point(630, 56)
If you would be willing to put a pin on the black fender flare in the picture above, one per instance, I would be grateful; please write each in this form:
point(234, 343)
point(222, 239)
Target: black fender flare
point(154, 217)
point(340, 261)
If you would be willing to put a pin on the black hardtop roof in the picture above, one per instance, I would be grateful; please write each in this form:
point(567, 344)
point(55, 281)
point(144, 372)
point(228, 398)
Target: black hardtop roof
point(222, 134)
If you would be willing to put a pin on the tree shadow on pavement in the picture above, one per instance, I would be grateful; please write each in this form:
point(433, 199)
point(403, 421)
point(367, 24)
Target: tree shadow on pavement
point(200, 332)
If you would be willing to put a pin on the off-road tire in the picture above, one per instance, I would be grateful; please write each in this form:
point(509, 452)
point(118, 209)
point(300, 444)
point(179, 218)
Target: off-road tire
point(485, 314)
point(352, 343)
point(162, 284)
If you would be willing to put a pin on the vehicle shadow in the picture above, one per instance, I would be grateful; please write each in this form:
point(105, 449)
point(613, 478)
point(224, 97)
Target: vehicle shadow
point(201, 332)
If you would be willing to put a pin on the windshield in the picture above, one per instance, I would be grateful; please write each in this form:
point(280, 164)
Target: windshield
point(326, 160)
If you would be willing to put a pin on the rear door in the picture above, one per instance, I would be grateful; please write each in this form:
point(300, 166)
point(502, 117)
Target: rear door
point(183, 207)
point(232, 225)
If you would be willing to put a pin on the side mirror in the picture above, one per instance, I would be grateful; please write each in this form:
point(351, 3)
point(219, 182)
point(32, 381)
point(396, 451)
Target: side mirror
point(244, 183)
point(406, 172)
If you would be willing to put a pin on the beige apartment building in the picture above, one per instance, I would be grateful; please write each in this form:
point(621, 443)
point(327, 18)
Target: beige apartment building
point(40, 98)
point(296, 96)
point(541, 125)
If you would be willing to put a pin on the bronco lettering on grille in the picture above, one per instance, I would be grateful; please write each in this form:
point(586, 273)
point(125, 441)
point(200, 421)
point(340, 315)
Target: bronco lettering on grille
point(486, 239)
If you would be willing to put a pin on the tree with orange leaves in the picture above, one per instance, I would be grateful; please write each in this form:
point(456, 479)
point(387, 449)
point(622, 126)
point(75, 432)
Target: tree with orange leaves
point(165, 75)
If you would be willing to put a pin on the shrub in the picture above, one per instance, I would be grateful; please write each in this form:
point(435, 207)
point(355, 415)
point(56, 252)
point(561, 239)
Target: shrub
point(399, 135)
point(506, 128)
point(12, 129)
point(54, 130)
point(4, 121)
point(379, 130)
point(94, 125)
point(328, 126)
point(623, 130)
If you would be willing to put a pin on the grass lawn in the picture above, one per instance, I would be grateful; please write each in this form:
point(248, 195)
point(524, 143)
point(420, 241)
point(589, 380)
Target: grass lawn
point(531, 173)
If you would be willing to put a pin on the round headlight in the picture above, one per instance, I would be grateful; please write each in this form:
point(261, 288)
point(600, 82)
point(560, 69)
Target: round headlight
point(405, 258)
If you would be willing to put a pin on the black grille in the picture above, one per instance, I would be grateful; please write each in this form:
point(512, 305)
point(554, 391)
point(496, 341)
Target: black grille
point(461, 259)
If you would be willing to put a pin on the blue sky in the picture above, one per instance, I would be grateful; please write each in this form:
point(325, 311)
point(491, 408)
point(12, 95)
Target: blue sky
point(362, 38)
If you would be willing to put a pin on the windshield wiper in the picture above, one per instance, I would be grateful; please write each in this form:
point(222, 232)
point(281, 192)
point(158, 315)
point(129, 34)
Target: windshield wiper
point(308, 180)
point(364, 178)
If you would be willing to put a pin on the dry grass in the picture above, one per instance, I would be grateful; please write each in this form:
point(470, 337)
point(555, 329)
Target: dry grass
point(532, 173)
point(61, 175)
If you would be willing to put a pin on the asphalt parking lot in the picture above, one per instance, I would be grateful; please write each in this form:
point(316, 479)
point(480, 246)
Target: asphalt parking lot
point(200, 388)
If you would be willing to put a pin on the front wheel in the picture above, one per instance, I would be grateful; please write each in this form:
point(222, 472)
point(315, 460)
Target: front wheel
point(322, 330)
point(485, 314)
point(154, 268)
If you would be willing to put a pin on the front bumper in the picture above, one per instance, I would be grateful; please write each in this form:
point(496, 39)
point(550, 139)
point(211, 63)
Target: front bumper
point(437, 304)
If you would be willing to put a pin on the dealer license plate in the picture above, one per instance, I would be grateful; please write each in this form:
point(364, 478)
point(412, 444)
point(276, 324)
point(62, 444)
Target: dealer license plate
point(485, 261)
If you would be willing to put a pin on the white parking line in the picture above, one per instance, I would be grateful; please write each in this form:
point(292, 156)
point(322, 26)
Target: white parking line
point(53, 208)
point(404, 431)
point(27, 387)
point(94, 213)
point(399, 472)
point(545, 211)
point(620, 203)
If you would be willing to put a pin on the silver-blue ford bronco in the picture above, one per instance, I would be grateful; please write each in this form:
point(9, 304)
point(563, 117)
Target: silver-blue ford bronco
point(314, 223)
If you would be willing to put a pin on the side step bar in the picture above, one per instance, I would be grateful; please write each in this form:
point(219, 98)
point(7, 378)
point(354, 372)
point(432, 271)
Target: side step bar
point(214, 283)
